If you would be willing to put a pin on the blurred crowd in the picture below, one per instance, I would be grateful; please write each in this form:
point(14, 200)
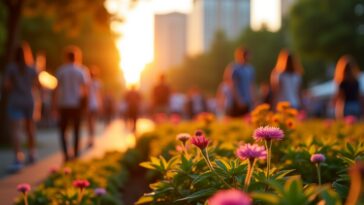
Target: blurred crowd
point(79, 94)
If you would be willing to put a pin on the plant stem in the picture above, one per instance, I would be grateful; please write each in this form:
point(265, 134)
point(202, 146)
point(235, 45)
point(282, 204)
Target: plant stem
point(80, 196)
point(185, 149)
point(268, 146)
point(318, 173)
point(249, 174)
point(98, 201)
point(206, 157)
point(26, 198)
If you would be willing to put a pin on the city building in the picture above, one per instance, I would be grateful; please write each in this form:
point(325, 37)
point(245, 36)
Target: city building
point(209, 16)
point(169, 40)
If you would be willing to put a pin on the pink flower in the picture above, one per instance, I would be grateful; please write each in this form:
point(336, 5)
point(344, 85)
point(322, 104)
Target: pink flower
point(317, 158)
point(23, 188)
point(247, 119)
point(81, 184)
point(268, 133)
point(160, 118)
point(200, 140)
point(67, 170)
point(183, 137)
point(100, 191)
point(175, 119)
point(302, 115)
point(350, 120)
point(230, 197)
point(53, 169)
point(249, 151)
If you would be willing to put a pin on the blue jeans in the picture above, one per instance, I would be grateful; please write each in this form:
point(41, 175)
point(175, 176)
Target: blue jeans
point(352, 108)
point(20, 112)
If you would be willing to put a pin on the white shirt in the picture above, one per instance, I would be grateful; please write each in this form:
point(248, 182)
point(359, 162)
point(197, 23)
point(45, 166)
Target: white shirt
point(70, 79)
point(93, 100)
point(289, 88)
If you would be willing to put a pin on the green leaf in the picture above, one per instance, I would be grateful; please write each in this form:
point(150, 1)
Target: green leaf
point(202, 177)
point(148, 165)
point(199, 194)
point(281, 174)
point(266, 197)
point(144, 200)
point(223, 164)
point(330, 197)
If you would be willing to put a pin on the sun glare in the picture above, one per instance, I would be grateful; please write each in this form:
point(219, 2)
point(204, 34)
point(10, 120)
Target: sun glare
point(136, 43)
point(266, 13)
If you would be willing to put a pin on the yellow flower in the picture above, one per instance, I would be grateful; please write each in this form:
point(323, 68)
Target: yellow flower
point(281, 106)
point(261, 108)
point(276, 118)
point(292, 112)
point(290, 124)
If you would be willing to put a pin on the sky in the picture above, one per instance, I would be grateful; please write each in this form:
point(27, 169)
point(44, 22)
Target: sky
point(137, 33)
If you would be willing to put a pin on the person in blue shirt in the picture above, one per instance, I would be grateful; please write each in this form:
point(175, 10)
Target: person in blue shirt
point(243, 78)
point(20, 79)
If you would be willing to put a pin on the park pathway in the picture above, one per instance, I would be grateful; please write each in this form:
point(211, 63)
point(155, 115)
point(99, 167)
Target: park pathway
point(115, 137)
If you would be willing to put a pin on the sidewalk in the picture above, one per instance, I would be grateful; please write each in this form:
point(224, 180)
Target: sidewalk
point(115, 137)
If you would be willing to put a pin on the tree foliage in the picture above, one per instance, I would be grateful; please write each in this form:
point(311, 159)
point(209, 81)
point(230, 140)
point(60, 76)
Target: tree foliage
point(49, 26)
point(327, 29)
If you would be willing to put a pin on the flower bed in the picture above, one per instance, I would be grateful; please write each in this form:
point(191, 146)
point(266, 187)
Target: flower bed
point(99, 181)
point(223, 162)
point(307, 164)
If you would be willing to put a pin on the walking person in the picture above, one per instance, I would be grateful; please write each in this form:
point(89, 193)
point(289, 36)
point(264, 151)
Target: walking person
point(161, 96)
point(347, 99)
point(243, 79)
point(286, 80)
point(133, 100)
point(224, 95)
point(20, 78)
point(69, 96)
point(94, 103)
point(195, 103)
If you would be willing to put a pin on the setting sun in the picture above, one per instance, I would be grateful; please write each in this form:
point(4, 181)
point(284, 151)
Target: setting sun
point(137, 33)
point(135, 44)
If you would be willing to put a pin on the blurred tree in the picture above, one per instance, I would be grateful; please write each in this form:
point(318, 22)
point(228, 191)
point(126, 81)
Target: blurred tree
point(326, 29)
point(2, 27)
point(205, 70)
point(49, 25)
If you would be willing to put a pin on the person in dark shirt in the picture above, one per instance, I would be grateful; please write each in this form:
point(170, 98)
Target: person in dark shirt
point(161, 96)
point(347, 99)
point(132, 99)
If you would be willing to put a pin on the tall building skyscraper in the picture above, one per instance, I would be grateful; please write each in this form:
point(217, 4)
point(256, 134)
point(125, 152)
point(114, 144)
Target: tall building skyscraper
point(209, 16)
point(169, 39)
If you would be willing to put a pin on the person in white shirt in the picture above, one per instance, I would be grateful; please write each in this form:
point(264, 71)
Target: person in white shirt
point(69, 94)
point(286, 80)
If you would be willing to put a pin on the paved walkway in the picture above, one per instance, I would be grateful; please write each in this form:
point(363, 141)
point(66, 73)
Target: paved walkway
point(115, 137)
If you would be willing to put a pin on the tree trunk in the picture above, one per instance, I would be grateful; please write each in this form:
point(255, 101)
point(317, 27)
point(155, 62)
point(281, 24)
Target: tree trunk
point(13, 8)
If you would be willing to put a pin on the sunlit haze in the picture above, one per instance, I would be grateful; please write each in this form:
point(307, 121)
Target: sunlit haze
point(266, 12)
point(135, 43)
